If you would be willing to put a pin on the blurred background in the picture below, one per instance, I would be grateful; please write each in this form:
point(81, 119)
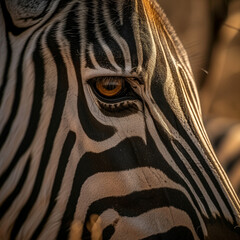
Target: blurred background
point(210, 32)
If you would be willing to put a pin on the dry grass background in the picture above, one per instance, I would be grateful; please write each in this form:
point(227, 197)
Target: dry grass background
point(210, 32)
point(221, 94)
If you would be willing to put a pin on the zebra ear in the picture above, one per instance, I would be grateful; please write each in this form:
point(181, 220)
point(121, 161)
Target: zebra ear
point(25, 13)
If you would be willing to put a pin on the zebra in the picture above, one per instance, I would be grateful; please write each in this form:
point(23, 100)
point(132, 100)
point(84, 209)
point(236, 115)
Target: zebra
point(101, 127)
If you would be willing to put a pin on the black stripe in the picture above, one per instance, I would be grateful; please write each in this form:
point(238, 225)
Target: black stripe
point(90, 33)
point(141, 202)
point(99, 52)
point(108, 232)
point(10, 199)
point(16, 101)
point(63, 160)
point(126, 29)
point(176, 233)
point(59, 103)
point(91, 38)
point(108, 39)
point(94, 129)
point(129, 154)
point(127, 32)
point(101, 57)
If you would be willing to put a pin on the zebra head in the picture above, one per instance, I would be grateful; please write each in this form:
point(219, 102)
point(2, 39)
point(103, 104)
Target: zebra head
point(101, 130)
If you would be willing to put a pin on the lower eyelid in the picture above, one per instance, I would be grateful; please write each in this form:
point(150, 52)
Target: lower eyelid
point(117, 107)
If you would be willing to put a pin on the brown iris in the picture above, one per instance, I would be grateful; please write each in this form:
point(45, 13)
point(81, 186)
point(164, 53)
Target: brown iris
point(110, 86)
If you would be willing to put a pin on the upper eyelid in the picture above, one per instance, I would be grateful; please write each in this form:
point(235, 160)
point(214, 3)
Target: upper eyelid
point(140, 81)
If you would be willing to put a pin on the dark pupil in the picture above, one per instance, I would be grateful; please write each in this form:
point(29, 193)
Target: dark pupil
point(109, 86)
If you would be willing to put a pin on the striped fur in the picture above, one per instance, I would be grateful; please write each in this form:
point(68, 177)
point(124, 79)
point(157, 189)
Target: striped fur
point(74, 165)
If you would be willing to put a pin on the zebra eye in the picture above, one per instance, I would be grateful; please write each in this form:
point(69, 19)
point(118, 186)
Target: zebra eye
point(110, 87)
point(114, 94)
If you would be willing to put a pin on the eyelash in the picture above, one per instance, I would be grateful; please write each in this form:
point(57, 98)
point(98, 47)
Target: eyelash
point(117, 107)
